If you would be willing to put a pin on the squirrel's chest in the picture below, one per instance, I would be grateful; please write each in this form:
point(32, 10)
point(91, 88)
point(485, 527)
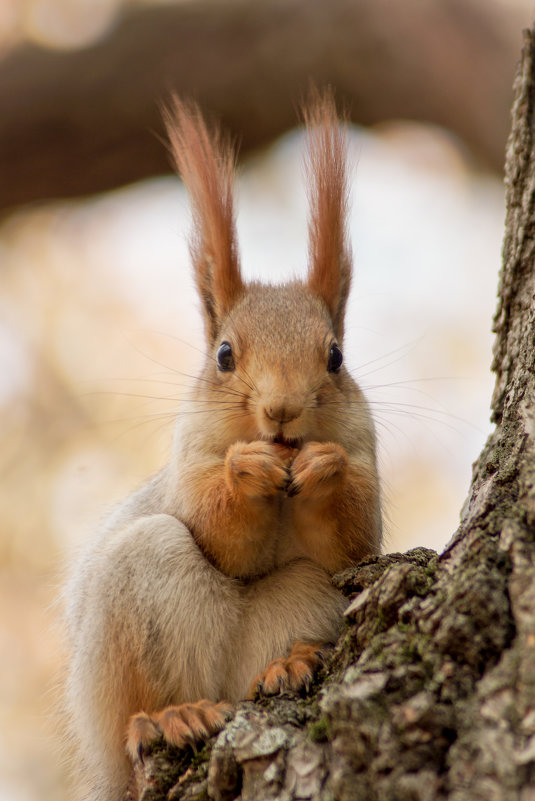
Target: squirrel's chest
point(288, 544)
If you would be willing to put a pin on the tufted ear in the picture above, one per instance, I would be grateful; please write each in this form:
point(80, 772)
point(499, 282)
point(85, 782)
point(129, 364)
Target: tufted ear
point(205, 160)
point(329, 270)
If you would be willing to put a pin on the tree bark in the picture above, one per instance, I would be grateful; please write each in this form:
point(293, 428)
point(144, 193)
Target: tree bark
point(84, 121)
point(431, 691)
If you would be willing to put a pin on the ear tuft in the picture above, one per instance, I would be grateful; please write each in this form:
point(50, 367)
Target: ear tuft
point(206, 162)
point(329, 273)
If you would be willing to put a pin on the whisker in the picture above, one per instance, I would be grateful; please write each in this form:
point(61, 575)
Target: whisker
point(178, 339)
point(217, 387)
point(104, 392)
point(407, 382)
point(408, 346)
point(187, 375)
point(252, 385)
point(404, 407)
point(148, 417)
point(152, 359)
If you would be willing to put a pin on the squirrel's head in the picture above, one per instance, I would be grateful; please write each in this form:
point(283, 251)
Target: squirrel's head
point(274, 352)
point(278, 355)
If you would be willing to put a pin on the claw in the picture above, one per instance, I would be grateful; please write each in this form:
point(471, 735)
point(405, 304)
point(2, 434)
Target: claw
point(182, 726)
point(293, 673)
point(228, 714)
point(142, 732)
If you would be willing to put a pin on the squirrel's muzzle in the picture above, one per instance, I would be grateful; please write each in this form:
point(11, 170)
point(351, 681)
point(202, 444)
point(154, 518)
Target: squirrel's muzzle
point(283, 410)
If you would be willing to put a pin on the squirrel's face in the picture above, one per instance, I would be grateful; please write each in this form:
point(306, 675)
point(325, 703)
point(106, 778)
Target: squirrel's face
point(278, 366)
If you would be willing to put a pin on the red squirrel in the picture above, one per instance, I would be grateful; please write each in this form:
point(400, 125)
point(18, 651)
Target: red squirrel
point(213, 581)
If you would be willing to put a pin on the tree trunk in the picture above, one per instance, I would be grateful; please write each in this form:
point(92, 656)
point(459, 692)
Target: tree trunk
point(431, 691)
point(88, 120)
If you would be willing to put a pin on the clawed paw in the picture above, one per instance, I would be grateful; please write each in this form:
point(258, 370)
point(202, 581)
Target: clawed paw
point(257, 469)
point(262, 469)
point(295, 672)
point(317, 469)
point(181, 726)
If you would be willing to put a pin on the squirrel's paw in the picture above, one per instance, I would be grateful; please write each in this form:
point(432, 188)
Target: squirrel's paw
point(256, 469)
point(317, 469)
point(296, 672)
point(181, 726)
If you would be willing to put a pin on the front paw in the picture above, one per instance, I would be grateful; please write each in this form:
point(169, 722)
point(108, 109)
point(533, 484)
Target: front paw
point(256, 469)
point(318, 469)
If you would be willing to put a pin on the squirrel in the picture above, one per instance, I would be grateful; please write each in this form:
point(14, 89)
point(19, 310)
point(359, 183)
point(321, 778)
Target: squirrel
point(213, 581)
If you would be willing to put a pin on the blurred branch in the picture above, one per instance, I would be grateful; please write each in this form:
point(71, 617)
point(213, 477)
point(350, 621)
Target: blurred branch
point(88, 120)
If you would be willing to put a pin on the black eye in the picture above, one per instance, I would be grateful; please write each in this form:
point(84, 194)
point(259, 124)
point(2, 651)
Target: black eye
point(335, 359)
point(225, 359)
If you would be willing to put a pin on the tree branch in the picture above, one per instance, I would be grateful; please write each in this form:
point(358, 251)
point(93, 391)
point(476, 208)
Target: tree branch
point(89, 120)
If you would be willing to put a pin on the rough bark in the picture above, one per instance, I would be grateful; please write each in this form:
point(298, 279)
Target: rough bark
point(431, 692)
point(88, 120)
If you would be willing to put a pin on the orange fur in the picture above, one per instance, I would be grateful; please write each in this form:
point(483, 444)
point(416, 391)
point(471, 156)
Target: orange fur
point(335, 513)
point(293, 673)
point(232, 509)
point(222, 562)
point(205, 160)
point(329, 250)
point(331, 500)
point(183, 725)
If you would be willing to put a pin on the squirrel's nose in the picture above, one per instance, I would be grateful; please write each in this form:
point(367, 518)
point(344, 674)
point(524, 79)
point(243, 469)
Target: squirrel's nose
point(283, 411)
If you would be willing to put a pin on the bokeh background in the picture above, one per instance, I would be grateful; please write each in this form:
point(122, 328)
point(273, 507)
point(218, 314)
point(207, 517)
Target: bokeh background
point(100, 332)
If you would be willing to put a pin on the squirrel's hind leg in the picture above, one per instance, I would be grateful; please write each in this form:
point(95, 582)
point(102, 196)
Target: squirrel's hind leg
point(150, 622)
point(295, 672)
point(181, 726)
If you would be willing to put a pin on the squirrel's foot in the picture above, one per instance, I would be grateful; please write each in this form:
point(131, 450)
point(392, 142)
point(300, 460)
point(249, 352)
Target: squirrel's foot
point(181, 726)
point(294, 672)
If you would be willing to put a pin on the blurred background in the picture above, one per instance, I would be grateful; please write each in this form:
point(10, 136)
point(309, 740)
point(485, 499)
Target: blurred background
point(100, 332)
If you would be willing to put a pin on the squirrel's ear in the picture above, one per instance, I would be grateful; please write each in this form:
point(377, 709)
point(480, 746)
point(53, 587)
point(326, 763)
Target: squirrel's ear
point(329, 271)
point(205, 160)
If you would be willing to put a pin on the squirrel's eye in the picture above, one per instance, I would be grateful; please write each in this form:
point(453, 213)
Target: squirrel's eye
point(335, 359)
point(225, 359)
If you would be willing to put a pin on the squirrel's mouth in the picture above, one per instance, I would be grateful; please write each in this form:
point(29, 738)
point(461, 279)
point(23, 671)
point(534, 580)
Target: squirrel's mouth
point(287, 442)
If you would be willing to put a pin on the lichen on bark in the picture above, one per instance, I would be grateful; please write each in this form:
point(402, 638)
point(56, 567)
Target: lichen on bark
point(430, 693)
